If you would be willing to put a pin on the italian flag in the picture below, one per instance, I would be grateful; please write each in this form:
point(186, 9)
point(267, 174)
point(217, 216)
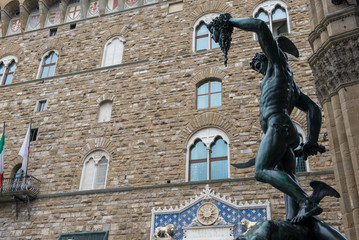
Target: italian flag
point(2, 148)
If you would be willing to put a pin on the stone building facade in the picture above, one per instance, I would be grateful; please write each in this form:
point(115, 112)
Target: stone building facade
point(112, 88)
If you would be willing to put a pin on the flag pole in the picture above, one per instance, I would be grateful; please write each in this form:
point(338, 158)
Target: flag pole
point(28, 152)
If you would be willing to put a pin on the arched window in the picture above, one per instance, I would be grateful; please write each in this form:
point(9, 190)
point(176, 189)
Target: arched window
point(94, 172)
point(275, 14)
point(208, 155)
point(201, 36)
point(263, 16)
point(7, 69)
point(209, 94)
point(113, 52)
point(105, 111)
point(48, 65)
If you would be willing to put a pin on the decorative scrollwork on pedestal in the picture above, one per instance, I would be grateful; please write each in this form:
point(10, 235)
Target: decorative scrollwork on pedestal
point(207, 214)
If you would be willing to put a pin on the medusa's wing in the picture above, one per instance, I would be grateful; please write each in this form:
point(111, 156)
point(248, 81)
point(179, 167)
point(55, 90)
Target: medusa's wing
point(287, 46)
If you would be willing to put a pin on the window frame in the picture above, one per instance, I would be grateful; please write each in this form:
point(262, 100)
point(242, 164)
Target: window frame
point(105, 53)
point(99, 111)
point(96, 156)
point(7, 61)
point(269, 7)
point(34, 133)
point(209, 93)
point(43, 65)
point(39, 104)
point(207, 136)
point(206, 19)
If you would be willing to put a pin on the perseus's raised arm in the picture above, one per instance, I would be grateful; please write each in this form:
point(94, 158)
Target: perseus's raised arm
point(265, 38)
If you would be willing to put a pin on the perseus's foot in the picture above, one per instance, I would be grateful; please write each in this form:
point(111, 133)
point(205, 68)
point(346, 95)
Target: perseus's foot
point(307, 210)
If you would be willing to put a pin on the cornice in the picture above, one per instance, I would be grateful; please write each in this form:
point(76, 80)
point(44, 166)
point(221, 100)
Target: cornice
point(331, 41)
point(332, 17)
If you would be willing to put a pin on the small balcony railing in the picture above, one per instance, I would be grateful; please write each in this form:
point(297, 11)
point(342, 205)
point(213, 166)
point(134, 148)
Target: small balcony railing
point(19, 189)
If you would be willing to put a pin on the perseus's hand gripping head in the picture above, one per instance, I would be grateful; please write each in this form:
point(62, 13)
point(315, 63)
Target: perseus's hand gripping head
point(221, 30)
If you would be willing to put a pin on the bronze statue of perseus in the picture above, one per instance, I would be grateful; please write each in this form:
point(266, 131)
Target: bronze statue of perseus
point(275, 160)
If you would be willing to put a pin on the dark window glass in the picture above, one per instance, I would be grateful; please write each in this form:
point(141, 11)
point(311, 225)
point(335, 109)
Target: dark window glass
point(33, 134)
point(53, 32)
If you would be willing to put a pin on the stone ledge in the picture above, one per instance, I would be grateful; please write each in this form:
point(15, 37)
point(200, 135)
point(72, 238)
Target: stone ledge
point(169, 185)
point(41, 80)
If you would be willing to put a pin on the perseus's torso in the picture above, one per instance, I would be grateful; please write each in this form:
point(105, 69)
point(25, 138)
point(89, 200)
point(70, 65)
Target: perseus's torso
point(278, 91)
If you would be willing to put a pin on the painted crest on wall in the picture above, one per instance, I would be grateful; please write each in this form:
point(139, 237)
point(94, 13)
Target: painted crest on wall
point(131, 3)
point(34, 22)
point(73, 13)
point(15, 25)
point(93, 8)
point(112, 6)
point(53, 17)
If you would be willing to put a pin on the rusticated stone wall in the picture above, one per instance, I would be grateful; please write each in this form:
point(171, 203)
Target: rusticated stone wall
point(126, 212)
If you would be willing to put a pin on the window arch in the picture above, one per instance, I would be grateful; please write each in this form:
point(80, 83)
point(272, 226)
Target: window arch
point(94, 172)
point(209, 94)
point(7, 69)
point(208, 155)
point(275, 14)
point(48, 65)
point(113, 52)
point(105, 111)
point(201, 36)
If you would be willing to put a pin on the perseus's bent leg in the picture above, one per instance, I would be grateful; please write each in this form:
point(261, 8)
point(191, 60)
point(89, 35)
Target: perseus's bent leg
point(281, 132)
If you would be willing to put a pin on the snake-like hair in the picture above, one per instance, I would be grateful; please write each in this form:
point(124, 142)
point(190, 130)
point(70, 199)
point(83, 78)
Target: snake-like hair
point(222, 25)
